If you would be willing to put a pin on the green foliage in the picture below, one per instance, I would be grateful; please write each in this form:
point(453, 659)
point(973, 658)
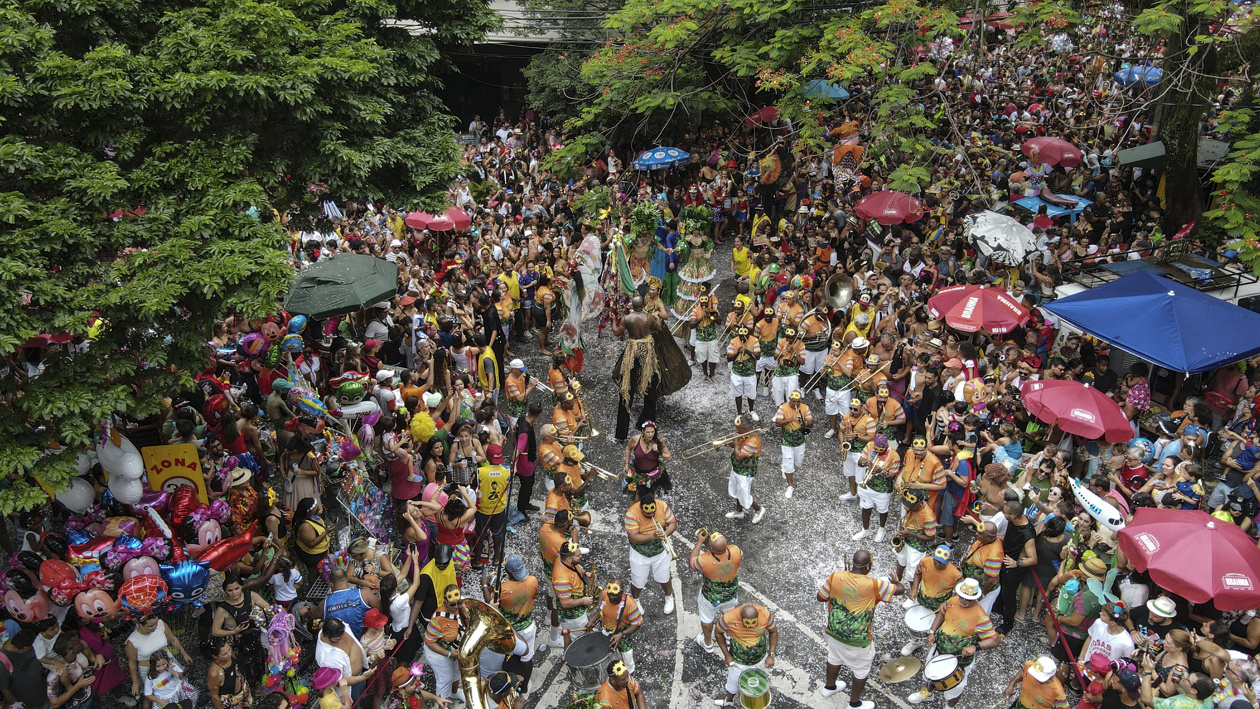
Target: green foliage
point(205, 115)
point(556, 86)
point(594, 200)
point(1237, 211)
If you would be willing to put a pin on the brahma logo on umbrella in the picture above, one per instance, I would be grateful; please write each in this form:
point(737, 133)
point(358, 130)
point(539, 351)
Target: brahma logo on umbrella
point(1082, 415)
point(970, 307)
point(1236, 582)
point(1147, 541)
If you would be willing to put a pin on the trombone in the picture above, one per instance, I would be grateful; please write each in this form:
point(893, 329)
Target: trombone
point(576, 387)
point(606, 475)
point(669, 543)
point(817, 378)
point(865, 378)
point(705, 447)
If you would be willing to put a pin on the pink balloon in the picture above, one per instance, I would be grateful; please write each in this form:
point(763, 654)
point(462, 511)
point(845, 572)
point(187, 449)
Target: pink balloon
point(157, 499)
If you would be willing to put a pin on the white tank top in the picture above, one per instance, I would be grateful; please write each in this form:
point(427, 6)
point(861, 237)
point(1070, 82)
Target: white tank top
point(146, 645)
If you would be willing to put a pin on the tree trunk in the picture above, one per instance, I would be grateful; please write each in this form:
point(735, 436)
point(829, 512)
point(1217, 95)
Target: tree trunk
point(1180, 116)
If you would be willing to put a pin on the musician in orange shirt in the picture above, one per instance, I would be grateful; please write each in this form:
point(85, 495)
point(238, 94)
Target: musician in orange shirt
point(620, 689)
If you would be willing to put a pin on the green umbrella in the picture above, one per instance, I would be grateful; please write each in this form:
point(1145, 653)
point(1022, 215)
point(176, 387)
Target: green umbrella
point(342, 284)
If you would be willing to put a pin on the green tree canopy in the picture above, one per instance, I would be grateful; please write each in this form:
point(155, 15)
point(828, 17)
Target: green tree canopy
point(201, 117)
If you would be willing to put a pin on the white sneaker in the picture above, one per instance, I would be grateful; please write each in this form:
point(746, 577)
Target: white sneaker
point(723, 703)
point(910, 648)
point(755, 417)
point(735, 515)
point(759, 514)
point(861, 535)
point(879, 535)
point(847, 496)
point(703, 646)
point(818, 394)
point(920, 696)
point(788, 493)
point(909, 603)
point(669, 604)
point(584, 550)
point(840, 687)
point(866, 704)
point(831, 433)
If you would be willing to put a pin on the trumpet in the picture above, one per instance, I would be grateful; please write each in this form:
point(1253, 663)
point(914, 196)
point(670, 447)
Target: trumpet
point(717, 443)
point(669, 543)
point(702, 534)
point(545, 387)
point(583, 518)
point(606, 475)
point(576, 387)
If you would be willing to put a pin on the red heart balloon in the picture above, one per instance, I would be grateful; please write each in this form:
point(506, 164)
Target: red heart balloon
point(226, 552)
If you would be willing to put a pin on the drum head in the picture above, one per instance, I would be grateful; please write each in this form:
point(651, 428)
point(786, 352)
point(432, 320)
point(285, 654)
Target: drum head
point(940, 667)
point(919, 619)
point(587, 651)
point(754, 682)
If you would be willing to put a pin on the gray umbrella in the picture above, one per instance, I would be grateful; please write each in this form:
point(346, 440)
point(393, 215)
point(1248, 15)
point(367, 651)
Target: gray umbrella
point(1001, 238)
point(341, 284)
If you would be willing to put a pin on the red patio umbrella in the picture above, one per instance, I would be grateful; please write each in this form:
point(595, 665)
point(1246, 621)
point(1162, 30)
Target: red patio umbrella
point(889, 207)
point(1078, 409)
point(1195, 556)
point(418, 220)
point(972, 308)
point(459, 218)
point(1052, 151)
point(442, 223)
point(762, 116)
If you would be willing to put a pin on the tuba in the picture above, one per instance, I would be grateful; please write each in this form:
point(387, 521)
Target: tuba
point(485, 628)
point(838, 293)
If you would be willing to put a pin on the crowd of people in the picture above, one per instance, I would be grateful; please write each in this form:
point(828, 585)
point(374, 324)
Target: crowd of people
point(829, 343)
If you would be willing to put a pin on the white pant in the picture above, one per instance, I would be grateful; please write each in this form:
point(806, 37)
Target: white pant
point(576, 626)
point(813, 362)
point(793, 458)
point(909, 557)
point(735, 670)
point(530, 637)
point(766, 363)
point(445, 672)
point(837, 403)
point(626, 657)
point(740, 488)
point(707, 351)
point(641, 566)
point(780, 387)
point(869, 499)
point(744, 386)
point(851, 469)
point(990, 598)
point(857, 659)
point(710, 612)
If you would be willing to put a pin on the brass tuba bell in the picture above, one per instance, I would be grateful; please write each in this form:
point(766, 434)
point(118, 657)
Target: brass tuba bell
point(484, 628)
point(839, 292)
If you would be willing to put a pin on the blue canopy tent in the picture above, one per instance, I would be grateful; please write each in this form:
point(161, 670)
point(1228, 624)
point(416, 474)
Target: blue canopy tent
point(1054, 211)
point(826, 89)
point(1164, 322)
point(1139, 74)
point(661, 158)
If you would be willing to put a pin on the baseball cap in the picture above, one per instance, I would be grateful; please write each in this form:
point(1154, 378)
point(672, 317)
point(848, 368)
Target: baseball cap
point(1129, 679)
point(401, 677)
point(282, 384)
point(572, 453)
point(495, 453)
point(517, 364)
point(515, 566)
point(941, 553)
point(384, 375)
point(369, 344)
point(432, 399)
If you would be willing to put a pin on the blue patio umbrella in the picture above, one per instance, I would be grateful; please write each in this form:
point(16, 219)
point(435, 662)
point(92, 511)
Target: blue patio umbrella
point(1139, 74)
point(826, 89)
point(660, 158)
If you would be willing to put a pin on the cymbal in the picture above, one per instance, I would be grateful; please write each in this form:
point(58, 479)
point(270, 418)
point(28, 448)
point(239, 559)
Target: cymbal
point(900, 669)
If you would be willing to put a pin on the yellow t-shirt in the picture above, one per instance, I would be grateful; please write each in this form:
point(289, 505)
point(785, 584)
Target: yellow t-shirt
point(330, 701)
point(741, 260)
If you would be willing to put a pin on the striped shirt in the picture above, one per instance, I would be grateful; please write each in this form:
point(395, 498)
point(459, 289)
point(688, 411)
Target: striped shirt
point(556, 501)
point(983, 559)
point(442, 631)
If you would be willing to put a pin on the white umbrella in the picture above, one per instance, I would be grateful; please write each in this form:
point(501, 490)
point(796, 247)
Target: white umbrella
point(999, 237)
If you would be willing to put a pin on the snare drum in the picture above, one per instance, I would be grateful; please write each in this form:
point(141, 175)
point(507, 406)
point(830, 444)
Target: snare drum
point(943, 673)
point(754, 689)
point(587, 658)
point(919, 620)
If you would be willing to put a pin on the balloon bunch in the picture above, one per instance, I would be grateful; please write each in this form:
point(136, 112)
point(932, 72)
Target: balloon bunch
point(284, 655)
point(133, 551)
point(263, 349)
